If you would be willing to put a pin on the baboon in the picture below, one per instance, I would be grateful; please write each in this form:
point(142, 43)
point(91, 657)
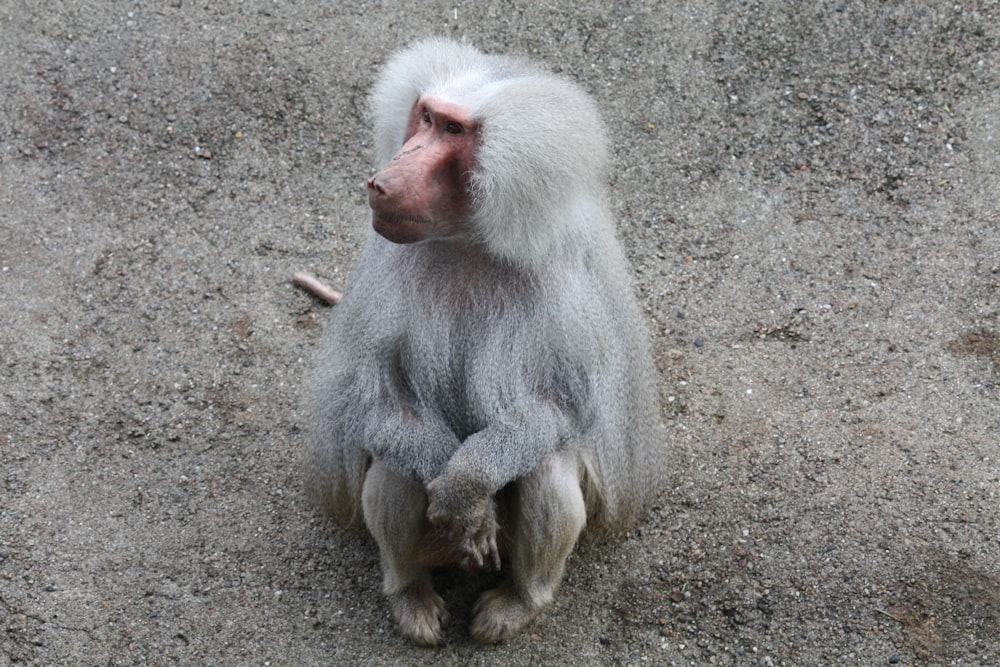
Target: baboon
point(484, 390)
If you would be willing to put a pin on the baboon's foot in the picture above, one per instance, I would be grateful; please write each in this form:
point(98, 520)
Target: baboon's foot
point(420, 613)
point(500, 614)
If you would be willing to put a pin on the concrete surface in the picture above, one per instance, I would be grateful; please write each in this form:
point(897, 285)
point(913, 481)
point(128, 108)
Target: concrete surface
point(808, 192)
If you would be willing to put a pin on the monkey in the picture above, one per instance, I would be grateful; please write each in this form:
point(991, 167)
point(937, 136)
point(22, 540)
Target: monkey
point(483, 394)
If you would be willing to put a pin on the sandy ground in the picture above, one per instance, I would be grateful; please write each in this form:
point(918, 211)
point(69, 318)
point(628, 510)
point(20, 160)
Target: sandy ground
point(808, 193)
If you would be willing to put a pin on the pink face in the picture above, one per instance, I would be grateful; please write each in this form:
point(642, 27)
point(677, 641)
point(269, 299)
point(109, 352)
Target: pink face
point(423, 193)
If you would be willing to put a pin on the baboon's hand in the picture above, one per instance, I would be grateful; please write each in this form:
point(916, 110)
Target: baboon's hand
point(468, 522)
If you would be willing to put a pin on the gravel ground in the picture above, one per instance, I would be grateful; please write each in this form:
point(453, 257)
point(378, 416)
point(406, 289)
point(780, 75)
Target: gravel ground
point(808, 193)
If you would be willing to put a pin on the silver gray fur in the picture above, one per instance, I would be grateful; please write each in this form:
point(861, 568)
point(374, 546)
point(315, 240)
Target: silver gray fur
point(472, 360)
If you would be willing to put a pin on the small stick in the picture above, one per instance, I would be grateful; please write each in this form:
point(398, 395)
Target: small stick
point(316, 288)
point(885, 613)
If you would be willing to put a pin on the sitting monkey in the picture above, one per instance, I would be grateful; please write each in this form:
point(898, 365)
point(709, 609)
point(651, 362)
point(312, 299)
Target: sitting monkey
point(484, 390)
